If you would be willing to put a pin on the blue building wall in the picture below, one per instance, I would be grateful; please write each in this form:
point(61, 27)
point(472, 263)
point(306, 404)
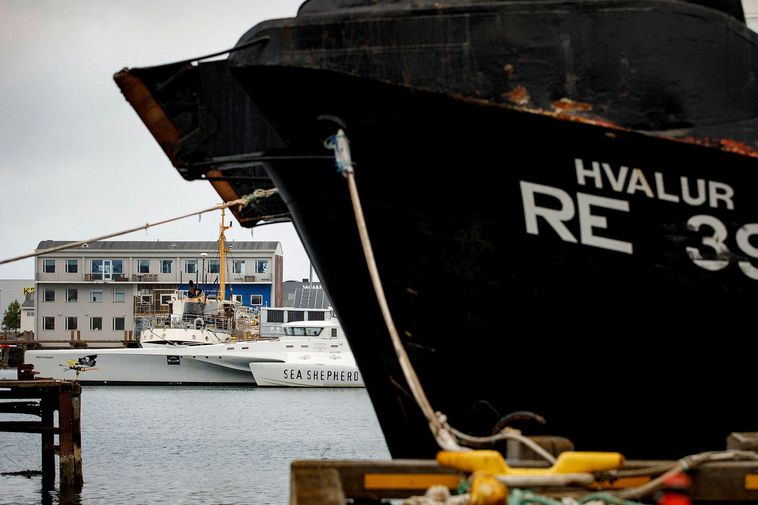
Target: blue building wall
point(246, 290)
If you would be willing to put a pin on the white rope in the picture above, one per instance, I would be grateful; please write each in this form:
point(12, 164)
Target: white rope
point(683, 465)
point(240, 201)
point(436, 422)
point(447, 437)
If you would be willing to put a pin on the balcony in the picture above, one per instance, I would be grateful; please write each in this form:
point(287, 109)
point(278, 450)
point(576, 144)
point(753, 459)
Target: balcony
point(112, 277)
point(144, 277)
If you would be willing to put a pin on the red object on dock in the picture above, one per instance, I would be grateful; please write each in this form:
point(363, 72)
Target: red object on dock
point(26, 371)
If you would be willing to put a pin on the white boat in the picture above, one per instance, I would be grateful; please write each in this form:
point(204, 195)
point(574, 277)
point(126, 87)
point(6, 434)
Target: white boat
point(329, 363)
point(198, 321)
point(311, 353)
point(201, 340)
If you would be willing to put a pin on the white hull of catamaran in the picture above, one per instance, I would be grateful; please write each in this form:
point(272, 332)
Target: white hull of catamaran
point(336, 370)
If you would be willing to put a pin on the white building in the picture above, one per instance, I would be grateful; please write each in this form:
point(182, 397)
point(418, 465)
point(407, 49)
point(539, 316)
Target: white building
point(95, 291)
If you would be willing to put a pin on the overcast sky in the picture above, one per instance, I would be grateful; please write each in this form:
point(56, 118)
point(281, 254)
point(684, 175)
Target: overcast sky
point(75, 160)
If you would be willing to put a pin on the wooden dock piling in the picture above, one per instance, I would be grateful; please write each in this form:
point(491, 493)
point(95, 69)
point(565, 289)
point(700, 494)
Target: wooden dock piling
point(42, 398)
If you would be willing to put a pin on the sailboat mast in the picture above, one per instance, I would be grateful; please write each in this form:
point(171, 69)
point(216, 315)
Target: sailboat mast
point(222, 257)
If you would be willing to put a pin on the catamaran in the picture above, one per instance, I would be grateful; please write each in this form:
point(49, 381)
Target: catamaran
point(205, 339)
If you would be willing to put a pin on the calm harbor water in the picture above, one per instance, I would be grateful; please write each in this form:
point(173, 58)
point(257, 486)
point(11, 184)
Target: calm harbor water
point(204, 445)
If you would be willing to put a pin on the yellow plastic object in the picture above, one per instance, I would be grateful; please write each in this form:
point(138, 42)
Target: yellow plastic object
point(487, 490)
point(494, 463)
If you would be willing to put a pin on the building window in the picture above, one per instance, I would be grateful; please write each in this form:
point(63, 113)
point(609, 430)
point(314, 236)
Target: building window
point(145, 299)
point(48, 323)
point(143, 266)
point(256, 300)
point(48, 266)
point(96, 323)
point(71, 323)
point(165, 299)
point(106, 269)
point(119, 297)
point(49, 295)
point(237, 299)
point(214, 266)
point(72, 295)
point(261, 266)
point(118, 323)
point(238, 267)
point(97, 267)
point(72, 266)
point(166, 266)
point(96, 296)
point(190, 266)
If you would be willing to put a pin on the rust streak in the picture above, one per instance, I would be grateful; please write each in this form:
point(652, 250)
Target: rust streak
point(567, 105)
point(738, 147)
point(519, 95)
point(150, 112)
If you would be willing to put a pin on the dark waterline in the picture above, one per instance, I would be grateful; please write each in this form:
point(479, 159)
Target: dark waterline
point(204, 445)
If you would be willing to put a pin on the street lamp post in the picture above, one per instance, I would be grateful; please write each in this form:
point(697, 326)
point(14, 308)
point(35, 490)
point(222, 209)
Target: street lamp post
point(203, 255)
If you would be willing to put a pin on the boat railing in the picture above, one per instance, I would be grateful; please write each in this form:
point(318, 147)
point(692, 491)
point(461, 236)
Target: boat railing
point(246, 322)
point(240, 321)
point(187, 321)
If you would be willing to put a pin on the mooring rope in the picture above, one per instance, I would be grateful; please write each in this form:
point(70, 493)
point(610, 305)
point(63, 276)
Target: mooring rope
point(250, 199)
point(448, 438)
point(437, 422)
point(683, 465)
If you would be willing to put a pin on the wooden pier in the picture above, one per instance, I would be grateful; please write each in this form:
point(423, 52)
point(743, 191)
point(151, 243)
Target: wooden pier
point(41, 398)
point(332, 482)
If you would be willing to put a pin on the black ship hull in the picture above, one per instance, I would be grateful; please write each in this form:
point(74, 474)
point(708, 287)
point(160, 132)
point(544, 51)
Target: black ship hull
point(560, 197)
point(533, 263)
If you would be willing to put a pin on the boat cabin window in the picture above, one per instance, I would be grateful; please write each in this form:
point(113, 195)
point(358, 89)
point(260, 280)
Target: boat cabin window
point(193, 308)
point(299, 331)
